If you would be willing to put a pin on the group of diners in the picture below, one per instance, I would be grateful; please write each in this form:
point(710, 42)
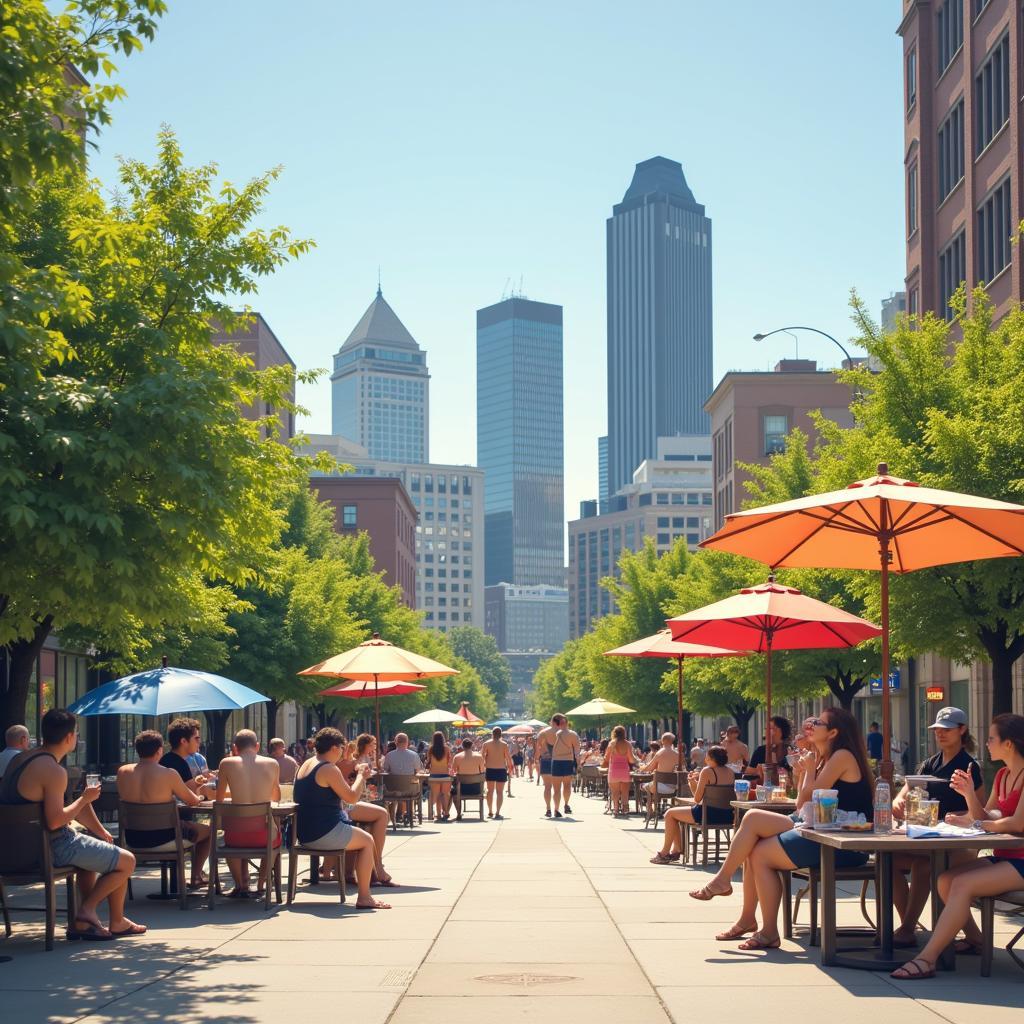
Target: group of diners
point(832, 755)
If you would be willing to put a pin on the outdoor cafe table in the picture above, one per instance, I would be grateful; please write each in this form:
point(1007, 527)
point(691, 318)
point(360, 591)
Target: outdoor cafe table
point(885, 846)
point(778, 806)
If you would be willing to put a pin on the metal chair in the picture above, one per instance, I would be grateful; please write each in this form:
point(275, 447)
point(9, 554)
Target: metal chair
point(270, 855)
point(468, 780)
point(403, 792)
point(1014, 908)
point(656, 799)
point(298, 850)
point(25, 860)
point(719, 797)
point(866, 874)
point(149, 817)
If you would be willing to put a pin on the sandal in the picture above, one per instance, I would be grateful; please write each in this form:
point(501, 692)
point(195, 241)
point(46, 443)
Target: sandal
point(661, 858)
point(373, 905)
point(706, 893)
point(905, 973)
point(964, 947)
point(132, 929)
point(737, 931)
point(90, 934)
point(757, 941)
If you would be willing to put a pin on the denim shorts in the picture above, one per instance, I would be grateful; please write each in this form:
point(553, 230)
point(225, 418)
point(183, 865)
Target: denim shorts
point(805, 853)
point(561, 769)
point(76, 849)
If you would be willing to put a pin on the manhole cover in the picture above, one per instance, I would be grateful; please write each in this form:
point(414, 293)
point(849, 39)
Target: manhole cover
point(524, 979)
point(396, 978)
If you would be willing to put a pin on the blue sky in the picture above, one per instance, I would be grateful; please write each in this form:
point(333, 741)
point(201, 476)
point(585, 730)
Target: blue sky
point(459, 145)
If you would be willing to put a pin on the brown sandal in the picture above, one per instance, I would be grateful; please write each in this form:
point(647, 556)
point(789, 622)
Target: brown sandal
point(757, 941)
point(905, 973)
point(735, 932)
point(706, 893)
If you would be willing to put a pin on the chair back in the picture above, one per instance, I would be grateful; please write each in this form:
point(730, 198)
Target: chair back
point(148, 817)
point(223, 812)
point(25, 848)
point(469, 780)
point(720, 796)
point(665, 779)
point(591, 771)
point(402, 785)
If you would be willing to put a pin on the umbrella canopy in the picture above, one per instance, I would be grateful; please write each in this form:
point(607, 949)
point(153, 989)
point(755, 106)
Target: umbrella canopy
point(772, 617)
point(435, 715)
point(363, 689)
point(502, 723)
point(375, 661)
point(599, 707)
point(661, 645)
point(165, 691)
point(536, 723)
point(465, 719)
point(882, 523)
point(522, 729)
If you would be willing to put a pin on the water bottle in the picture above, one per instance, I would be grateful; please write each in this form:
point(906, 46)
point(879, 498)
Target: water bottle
point(883, 807)
point(783, 781)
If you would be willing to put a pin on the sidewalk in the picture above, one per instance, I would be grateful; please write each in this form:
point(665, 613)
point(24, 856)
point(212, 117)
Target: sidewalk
point(523, 912)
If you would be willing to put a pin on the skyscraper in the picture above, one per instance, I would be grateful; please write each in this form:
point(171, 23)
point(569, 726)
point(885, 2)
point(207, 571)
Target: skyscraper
point(519, 440)
point(602, 473)
point(659, 317)
point(379, 388)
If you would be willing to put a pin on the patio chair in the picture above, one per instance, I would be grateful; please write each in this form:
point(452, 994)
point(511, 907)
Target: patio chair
point(25, 860)
point(718, 796)
point(656, 800)
point(403, 793)
point(866, 874)
point(458, 798)
point(172, 853)
point(1014, 907)
point(590, 779)
point(269, 855)
point(298, 850)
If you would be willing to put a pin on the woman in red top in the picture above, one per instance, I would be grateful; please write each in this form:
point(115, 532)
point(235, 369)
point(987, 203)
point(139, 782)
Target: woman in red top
point(987, 876)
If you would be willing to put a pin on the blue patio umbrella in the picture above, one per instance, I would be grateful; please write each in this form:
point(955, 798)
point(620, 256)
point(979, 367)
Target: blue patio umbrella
point(503, 723)
point(164, 691)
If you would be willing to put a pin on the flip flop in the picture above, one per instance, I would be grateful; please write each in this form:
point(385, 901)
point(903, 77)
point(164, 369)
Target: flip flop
point(704, 893)
point(389, 884)
point(133, 929)
point(904, 973)
point(962, 947)
point(756, 942)
point(90, 934)
point(375, 905)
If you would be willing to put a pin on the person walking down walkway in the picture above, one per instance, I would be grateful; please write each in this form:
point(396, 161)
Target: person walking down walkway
point(560, 747)
point(619, 759)
point(497, 766)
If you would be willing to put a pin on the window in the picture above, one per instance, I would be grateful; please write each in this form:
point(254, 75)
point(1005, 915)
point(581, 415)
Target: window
point(951, 272)
point(951, 150)
point(775, 430)
point(911, 200)
point(978, 6)
point(949, 31)
point(663, 538)
point(661, 498)
point(911, 78)
point(913, 302)
point(663, 522)
point(348, 516)
point(992, 95)
point(993, 233)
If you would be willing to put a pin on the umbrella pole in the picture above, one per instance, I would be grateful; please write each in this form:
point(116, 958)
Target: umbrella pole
point(376, 708)
point(886, 766)
point(680, 739)
point(769, 757)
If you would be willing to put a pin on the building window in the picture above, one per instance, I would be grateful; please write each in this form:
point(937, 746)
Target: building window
point(348, 516)
point(978, 6)
point(913, 302)
point(663, 522)
point(663, 539)
point(911, 200)
point(993, 233)
point(775, 430)
point(949, 31)
point(952, 261)
point(951, 150)
point(992, 95)
point(911, 78)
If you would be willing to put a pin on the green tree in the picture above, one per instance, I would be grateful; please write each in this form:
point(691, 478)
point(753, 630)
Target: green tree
point(127, 469)
point(557, 685)
point(480, 650)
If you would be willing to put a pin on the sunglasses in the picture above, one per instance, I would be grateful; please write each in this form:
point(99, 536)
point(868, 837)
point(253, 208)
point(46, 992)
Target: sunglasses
point(816, 722)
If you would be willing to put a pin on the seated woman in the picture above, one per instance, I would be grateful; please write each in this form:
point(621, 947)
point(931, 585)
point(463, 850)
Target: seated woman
point(767, 843)
point(439, 763)
point(619, 759)
point(988, 876)
point(714, 773)
point(955, 746)
point(320, 821)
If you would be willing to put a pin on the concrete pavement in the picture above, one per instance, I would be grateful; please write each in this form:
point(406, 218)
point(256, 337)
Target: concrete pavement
point(526, 912)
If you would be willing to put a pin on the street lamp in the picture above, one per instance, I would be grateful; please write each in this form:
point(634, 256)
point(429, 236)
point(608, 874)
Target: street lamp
point(786, 330)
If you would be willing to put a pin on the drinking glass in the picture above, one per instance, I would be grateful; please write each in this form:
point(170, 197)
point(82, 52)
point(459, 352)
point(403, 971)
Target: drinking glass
point(92, 778)
point(742, 789)
point(928, 812)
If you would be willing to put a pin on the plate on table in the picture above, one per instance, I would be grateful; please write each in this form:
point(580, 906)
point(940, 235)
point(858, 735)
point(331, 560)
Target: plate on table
point(866, 826)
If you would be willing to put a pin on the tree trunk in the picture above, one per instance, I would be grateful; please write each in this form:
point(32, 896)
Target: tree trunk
point(216, 742)
point(272, 709)
point(844, 687)
point(1003, 649)
point(21, 658)
point(742, 714)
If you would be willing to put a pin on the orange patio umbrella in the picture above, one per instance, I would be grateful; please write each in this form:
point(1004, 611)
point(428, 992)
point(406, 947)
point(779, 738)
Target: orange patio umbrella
point(376, 662)
point(661, 645)
point(882, 523)
point(772, 617)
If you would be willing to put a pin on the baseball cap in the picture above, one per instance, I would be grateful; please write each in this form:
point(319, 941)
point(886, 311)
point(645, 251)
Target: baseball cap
point(949, 718)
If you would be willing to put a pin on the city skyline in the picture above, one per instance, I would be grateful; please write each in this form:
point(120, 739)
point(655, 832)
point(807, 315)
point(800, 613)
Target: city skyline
point(453, 217)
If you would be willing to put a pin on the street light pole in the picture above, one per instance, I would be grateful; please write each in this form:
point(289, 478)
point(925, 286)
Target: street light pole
point(786, 330)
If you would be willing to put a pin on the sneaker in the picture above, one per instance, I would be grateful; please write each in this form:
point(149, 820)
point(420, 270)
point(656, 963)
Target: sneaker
point(547, 814)
point(568, 809)
point(558, 814)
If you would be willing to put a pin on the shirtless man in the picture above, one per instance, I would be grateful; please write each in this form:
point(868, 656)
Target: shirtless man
point(735, 749)
point(149, 782)
point(248, 778)
point(665, 760)
point(36, 777)
point(559, 746)
point(466, 762)
point(497, 768)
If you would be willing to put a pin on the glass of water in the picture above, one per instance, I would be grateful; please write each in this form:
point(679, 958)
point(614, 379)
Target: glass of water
point(92, 778)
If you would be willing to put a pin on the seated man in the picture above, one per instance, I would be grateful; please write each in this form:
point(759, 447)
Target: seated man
point(401, 760)
point(248, 778)
point(149, 782)
point(467, 762)
point(183, 739)
point(36, 777)
point(665, 760)
point(15, 742)
point(286, 764)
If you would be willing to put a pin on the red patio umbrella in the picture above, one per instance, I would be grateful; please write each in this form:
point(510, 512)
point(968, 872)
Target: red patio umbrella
point(661, 645)
point(464, 718)
point(772, 617)
point(882, 523)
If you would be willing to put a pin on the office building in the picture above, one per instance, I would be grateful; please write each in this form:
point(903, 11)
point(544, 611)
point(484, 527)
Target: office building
point(752, 413)
point(519, 440)
point(962, 101)
point(449, 535)
point(892, 307)
point(602, 473)
point(380, 388)
point(669, 498)
point(523, 619)
point(659, 316)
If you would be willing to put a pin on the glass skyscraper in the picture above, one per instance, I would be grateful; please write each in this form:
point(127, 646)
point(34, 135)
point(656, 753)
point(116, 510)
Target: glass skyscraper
point(520, 441)
point(659, 317)
point(379, 388)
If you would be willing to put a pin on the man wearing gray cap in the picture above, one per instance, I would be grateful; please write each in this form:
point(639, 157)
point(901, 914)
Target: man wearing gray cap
point(955, 746)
